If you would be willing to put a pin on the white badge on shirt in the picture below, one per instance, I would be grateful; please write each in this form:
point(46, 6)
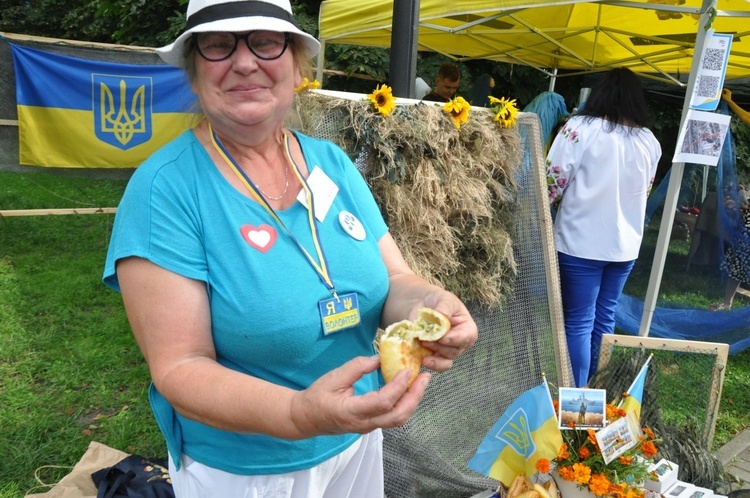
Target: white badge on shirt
point(324, 192)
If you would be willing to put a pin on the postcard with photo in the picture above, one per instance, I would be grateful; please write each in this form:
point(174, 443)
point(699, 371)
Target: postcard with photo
point(616, 439)
point(582, 408)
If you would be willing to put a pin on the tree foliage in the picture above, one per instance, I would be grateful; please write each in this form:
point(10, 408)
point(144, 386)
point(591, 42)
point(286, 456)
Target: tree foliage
point(359, 69)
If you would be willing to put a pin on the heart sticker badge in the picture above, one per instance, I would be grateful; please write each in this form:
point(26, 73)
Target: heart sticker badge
point(261, 238)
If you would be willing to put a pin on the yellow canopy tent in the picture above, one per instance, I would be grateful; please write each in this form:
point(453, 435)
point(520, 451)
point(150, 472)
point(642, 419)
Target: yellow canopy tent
point(654, 36)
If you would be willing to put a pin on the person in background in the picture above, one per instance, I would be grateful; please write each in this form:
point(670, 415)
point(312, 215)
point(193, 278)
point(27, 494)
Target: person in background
point(480, 94)
point(446, 84)
point(735, 264)
point(600, 169)
point(736, 261)
point(255, 312)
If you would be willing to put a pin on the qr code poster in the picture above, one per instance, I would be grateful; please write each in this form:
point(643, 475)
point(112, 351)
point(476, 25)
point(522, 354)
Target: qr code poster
point(711, 70)
point(701, 138)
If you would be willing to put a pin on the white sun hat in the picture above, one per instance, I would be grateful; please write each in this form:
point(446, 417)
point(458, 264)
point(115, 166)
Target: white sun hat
point(236, 16)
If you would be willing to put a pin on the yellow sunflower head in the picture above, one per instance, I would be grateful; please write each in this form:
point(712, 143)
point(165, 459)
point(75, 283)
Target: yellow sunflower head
point(307, 85)
point(458, 109)
point(505, 111)
point(383, 100)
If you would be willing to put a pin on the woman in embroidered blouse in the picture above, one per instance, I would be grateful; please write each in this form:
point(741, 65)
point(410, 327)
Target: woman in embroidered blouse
point(600, 169)
point(257, 312)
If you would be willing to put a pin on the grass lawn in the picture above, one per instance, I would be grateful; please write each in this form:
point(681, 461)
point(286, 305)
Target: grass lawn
point(70, 371)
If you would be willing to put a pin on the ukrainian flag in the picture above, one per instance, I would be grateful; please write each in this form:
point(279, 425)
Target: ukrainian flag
point(524, 434)
point(78, 113)
point(634, 400)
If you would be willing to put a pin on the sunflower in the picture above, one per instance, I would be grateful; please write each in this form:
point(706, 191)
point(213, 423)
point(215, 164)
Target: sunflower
point(383, 100)
point(307, 85)
point(458, 109)
point(505, 111)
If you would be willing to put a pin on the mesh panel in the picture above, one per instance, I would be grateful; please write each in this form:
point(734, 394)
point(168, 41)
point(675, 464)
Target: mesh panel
point(427, 457)
point(680, 400)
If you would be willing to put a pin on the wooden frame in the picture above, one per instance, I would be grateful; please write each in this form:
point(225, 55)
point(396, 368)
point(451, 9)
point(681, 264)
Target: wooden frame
point(720, 350)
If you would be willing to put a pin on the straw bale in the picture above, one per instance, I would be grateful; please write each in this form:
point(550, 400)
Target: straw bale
point(448, 195)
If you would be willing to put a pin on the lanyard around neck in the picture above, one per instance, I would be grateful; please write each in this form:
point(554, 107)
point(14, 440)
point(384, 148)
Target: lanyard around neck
point(320, 268)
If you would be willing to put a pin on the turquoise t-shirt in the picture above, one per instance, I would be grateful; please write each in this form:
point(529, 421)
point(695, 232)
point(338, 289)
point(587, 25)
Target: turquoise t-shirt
point(180, 213)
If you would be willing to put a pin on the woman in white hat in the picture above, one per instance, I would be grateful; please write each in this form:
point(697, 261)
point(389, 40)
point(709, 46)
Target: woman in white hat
point(256, 315)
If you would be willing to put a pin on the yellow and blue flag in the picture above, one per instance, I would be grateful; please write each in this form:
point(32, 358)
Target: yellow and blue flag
point(634, 400)
point(524, 434)
point(79, 113)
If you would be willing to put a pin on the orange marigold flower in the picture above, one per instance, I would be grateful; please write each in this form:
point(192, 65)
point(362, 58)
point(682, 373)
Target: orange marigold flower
point(582, 473)
point(542, 465)
point(634, 492)
point(599, 485)
point(556, 405)
point(611, 412)
point(563, 453)
point(649, 433)
point(618, 490)
point(649, 449)
point(625, 460)
point(592, 438)
point(567, 473)
point(584, 453)
point(571, 424)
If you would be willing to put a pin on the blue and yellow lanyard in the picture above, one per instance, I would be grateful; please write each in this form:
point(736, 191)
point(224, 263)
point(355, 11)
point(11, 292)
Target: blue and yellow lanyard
point(320, 268)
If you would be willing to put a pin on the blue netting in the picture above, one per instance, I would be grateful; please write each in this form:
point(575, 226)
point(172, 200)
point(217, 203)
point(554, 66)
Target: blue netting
point(670, 320)
point(673, 322)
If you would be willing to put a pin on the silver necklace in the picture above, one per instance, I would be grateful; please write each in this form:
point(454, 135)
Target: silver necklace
point(286, 180)
point(286, 187)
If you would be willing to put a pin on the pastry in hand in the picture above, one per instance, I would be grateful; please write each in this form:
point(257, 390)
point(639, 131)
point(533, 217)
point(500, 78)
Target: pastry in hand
point(400, 346)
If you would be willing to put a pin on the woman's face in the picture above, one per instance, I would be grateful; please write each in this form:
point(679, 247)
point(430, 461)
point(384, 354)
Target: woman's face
point(246, 90)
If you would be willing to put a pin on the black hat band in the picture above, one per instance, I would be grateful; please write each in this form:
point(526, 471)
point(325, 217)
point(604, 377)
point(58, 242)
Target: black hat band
point(230, 10)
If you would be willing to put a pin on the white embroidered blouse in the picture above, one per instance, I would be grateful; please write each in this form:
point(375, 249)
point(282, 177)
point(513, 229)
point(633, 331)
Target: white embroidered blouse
point(599, 182)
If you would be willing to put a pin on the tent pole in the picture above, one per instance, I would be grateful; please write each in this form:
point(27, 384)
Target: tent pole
point(402, 72)
point(321, 63)
point(553, 80)
point(675, 180)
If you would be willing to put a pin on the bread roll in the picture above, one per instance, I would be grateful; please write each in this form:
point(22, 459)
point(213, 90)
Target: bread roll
point(400, 345)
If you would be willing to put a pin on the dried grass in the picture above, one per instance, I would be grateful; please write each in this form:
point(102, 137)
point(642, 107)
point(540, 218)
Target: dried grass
point(448, 195)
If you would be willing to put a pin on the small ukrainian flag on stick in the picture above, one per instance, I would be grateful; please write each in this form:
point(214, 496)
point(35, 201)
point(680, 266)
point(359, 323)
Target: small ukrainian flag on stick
point(634, 399)
point(526, 433)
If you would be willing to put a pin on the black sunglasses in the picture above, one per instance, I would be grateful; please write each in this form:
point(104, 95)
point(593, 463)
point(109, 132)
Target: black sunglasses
point(220, 45)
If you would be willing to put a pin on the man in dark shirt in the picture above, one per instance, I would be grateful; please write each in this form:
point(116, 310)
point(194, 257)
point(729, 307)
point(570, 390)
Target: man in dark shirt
point(446, 84)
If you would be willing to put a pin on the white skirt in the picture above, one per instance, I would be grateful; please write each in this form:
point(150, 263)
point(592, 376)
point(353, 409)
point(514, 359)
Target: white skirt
point(357, 471)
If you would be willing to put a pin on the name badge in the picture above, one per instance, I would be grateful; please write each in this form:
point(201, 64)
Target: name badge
point(324, 192)
point(339, 314)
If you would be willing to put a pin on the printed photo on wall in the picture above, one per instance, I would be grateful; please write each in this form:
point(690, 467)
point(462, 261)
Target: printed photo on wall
point(582, 408)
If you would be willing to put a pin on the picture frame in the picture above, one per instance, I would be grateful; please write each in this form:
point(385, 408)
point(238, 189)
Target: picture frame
point(582, 408)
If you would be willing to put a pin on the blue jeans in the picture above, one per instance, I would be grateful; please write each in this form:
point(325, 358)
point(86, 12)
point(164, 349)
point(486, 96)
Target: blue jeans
point(590, 290)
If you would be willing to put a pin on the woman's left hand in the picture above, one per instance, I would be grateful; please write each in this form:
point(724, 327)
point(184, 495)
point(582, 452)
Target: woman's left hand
point(408, 293)
point(462, 335)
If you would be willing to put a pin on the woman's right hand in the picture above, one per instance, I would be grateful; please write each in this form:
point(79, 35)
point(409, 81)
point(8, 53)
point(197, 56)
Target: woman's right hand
point(329, 405)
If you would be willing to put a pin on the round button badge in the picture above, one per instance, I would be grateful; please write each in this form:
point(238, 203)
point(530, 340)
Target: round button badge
point(352, 225)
